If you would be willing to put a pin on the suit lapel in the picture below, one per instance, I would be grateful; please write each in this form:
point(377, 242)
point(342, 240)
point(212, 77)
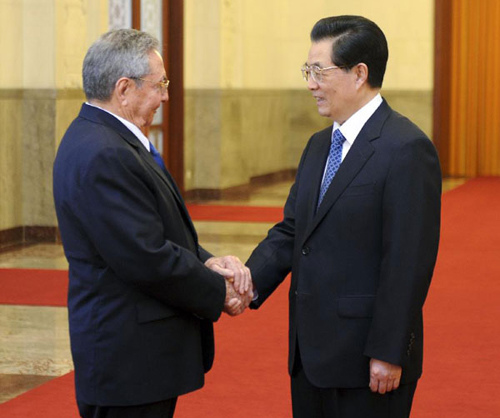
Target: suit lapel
point(164, 175)
point(356, 158)
point(354, 161)
point(170, 182)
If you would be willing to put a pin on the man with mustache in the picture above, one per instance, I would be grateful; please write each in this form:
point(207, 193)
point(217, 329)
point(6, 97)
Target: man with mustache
point(141, 299)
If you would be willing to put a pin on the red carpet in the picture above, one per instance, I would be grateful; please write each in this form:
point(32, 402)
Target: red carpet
point(462, 332)
point(235, 213)
point(462, 355)
point(55, 399)
point(33, 287)
point(249, 376)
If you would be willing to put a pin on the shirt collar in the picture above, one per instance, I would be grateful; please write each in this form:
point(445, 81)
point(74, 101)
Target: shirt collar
point(352, 126)
point(131, 127)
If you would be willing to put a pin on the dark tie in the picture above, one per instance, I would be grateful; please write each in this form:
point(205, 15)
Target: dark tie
point(333, 164)
point(156, 155)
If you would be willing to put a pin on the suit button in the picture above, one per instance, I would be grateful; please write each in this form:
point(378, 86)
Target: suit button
point(305, 250)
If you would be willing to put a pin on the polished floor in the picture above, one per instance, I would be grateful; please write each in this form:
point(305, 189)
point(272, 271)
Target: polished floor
point(34, 343)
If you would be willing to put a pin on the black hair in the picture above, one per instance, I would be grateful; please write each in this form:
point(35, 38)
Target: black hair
point(355, 40)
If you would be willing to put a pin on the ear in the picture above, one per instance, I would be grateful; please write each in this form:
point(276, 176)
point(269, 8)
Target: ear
point(123, 87)
point(361, 71)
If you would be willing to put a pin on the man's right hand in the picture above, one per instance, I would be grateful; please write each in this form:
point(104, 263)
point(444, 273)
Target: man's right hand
point(232, 269)
point(236, 303)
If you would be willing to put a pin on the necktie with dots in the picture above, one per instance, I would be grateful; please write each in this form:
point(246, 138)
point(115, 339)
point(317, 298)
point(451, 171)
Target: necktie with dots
point(333, 163)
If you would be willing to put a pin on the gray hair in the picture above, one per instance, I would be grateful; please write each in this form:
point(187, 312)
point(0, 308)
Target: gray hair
point(116, 54)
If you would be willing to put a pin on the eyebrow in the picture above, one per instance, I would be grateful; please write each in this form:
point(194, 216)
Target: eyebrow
point(162, 79)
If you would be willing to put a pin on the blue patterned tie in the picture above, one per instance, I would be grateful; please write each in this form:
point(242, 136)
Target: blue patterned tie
point(333, 164)
point(156, 155)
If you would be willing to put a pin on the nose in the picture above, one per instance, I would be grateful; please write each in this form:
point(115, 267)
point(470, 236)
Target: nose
point(164, 96)
point(311, 84)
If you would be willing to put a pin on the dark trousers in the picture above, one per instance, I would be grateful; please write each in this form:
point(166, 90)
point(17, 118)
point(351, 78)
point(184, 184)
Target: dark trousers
point(309, 401)
point(163, 409)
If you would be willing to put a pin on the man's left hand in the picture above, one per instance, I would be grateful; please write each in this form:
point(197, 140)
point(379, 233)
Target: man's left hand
point(233, 270)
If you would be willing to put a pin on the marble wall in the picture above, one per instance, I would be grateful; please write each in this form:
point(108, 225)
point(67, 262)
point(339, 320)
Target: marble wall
point(248, 112)
point(232, 136)
point(11, 163)
point(32, 123)
point(38, 150)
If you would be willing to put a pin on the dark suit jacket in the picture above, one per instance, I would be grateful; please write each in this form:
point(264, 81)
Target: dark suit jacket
point(141, 303)
point(362, 264)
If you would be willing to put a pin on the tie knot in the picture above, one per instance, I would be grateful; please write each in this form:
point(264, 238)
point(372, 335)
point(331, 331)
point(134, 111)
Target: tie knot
point(338, 138)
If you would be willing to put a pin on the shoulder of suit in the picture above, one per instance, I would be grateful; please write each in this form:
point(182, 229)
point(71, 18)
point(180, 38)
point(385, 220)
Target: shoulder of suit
point(401, 126)
point(404, 124)
point(89, 137)
point(324, 133)
point(101, 119)
point(327, 131)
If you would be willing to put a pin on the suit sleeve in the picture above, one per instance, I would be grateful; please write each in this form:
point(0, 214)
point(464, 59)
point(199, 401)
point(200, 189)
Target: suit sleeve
point(271, 261)
point(204, 254)
point(119, 212)
point(411, 224)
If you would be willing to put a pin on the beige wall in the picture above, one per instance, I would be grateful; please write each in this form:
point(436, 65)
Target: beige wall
point(261, 44)
point(248, 112)
point(11, 29)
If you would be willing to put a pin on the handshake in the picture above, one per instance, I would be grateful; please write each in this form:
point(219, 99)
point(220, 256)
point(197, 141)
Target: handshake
point(239, 288)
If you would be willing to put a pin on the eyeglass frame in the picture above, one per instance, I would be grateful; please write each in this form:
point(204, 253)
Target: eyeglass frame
point(316, 71)
point(162, 85)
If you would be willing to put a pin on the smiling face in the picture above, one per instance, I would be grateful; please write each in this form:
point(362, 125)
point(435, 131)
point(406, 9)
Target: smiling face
point(336, 94)
point(145, 97)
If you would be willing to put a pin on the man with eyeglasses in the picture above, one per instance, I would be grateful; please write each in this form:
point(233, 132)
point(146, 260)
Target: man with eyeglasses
point(360, 236)
point(143, 294)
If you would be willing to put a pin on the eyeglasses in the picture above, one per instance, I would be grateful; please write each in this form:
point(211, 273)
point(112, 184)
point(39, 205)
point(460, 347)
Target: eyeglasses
point(315, 72)
point(162, 85)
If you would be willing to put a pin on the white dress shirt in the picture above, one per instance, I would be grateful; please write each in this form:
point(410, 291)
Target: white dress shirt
point(352, 126)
